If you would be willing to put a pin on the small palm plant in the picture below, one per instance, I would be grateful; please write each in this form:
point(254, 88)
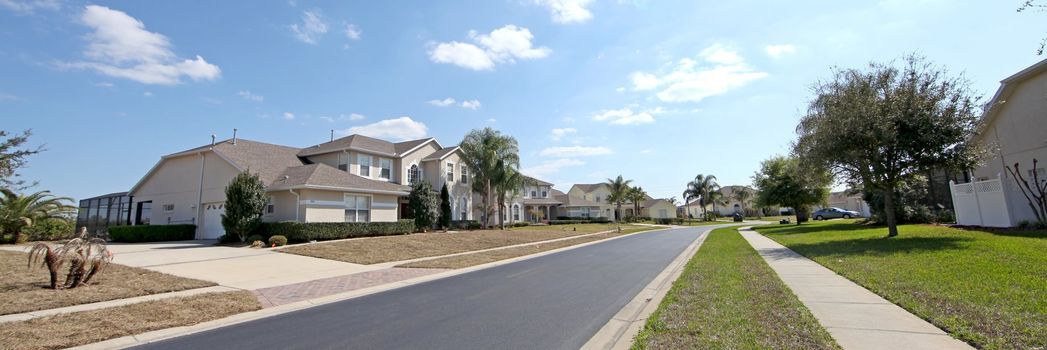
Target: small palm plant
point(86, 256)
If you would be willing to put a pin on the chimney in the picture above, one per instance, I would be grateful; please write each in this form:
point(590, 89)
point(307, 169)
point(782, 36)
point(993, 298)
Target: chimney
point(212, 140)
point(332, 134)
point(234, 136)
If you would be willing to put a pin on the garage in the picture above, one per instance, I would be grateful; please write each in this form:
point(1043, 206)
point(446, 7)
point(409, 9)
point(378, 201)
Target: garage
point(213, 220)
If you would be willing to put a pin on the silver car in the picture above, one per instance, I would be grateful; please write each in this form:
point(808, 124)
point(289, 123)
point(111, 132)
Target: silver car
point(834, 213)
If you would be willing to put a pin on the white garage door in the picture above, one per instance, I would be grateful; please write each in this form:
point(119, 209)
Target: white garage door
point(213, 220)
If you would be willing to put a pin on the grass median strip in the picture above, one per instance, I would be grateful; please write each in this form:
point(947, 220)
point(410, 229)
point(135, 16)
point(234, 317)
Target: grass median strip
point(466, 260)
point(25, 289)
point(397, 248)
point(728, 298)
point(986, 288)
point(79, 328)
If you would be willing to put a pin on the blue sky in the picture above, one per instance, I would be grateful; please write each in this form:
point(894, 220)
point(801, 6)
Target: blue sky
point(657, 91)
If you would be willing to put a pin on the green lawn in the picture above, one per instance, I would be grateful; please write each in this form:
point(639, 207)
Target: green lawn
point(989, 289)
point(728, 298)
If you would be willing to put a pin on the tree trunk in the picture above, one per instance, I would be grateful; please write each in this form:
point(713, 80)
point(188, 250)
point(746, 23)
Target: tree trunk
point(487, 202)
point(888, 207)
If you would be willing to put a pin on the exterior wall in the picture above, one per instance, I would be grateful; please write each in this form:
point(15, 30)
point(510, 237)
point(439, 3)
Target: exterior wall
point(593, 212)
point(329, 206)
point(284, 206)
point(458, 189)
point(599, 192)
point(177, 182)
point(1020, 132)
point(655, 210)
point(401, 165)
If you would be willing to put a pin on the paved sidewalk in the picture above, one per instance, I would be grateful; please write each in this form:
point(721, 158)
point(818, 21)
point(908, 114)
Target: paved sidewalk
point(854, 316)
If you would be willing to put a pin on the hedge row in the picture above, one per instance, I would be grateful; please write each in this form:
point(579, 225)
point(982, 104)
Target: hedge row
point(590, 221)
point(152, 233)
point(466, 225)
point(319, 231)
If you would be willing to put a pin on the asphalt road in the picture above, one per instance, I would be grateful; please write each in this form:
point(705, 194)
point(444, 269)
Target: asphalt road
point(557, 301)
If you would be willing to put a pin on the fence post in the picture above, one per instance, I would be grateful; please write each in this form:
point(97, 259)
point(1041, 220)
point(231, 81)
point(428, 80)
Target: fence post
point(978, 203)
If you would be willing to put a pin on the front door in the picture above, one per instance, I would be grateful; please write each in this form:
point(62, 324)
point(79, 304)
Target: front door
point(213, 220)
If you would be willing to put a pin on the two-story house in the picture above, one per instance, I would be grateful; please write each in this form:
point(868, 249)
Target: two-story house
point(350, 179)
point(599, 192)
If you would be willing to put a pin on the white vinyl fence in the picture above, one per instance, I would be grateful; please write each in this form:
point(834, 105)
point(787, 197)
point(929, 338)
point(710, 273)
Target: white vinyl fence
point(981, 203)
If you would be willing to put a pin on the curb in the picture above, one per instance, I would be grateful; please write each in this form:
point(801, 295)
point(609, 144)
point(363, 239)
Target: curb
point(112, 303)
point(620, 331)
point(163, 334)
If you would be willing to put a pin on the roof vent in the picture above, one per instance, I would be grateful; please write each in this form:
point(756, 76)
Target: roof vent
point(212, 140)
point(234, 136)
point(332, 135)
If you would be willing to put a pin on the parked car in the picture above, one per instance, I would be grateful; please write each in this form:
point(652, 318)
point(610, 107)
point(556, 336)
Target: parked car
point(834, 213)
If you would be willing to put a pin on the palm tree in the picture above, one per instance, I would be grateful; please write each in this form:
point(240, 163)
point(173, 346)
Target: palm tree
point(619, 194)
point(742, 196)
point(487, 153)
point(701, 188)
point(508, 181)
point(637, 195)
point(716, 198)
point(20, 211)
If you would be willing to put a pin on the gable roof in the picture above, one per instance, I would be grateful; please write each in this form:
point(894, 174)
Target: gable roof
point(406, 147)
point(441, 154)
point(588, 187)
point(351, 142)
point(651, 202)
point(1007, 86)
point(568, 201)
point(537, 181)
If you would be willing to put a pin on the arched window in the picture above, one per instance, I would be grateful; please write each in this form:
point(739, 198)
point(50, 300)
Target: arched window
point(414, 174)
point(516, 212)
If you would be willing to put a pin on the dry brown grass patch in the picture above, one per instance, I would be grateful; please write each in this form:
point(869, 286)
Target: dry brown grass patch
point(421, 245)
point(79, 328)
point(25, 289)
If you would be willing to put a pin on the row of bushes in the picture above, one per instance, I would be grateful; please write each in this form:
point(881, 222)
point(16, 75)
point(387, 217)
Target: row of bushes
point(152, 233)
point(465, 225)
point(320, 231)
point(587, 221)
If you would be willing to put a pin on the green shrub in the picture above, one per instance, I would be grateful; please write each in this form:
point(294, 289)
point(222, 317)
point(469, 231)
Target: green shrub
point(466, 225)
point(152, 233)
point(521, 224)
point(253, 238)
point(668, 221)
point(587, 221)
point(278, 240)
point(308, 231)
point(228, 239)
point(50, 229)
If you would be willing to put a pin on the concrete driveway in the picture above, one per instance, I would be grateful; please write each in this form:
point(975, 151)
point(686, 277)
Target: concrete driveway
point(245, 268)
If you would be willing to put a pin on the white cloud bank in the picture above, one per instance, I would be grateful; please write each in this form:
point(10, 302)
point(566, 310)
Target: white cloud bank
point(568, 11)
point(719, 70)
point(625, 116)
point(120, 46)
point(551, 167)
point(502, 45)
point(30, 6)
point(575, 151)
point(447, 102)
point(777, 51)
point(313, 27)
point(559, 133)
point(247, 95)
point(398, 129)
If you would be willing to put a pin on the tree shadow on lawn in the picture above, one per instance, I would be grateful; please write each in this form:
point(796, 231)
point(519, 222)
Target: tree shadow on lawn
point(881, 246)
point(792, 229)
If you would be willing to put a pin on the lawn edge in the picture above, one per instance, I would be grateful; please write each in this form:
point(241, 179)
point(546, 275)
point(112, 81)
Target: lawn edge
point(164, 334)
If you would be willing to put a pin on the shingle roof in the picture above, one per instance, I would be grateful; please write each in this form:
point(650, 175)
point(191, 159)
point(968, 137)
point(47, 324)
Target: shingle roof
point(537, 181)
point(325, 175)
point(588, 187)
point(651, 202)
point(440, 154)
point(357, 142)
point(403, 147)
point(265, 159)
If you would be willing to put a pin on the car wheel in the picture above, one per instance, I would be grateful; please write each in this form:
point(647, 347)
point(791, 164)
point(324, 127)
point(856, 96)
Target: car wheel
point(819, 218)
point(846, 216)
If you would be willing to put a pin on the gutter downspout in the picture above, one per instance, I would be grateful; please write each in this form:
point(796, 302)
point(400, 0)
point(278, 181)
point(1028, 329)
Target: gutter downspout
point(200, 196)
point(297, 204)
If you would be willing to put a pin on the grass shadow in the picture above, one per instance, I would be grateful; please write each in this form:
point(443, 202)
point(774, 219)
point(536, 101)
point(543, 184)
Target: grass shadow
point(880, 246)
point(792, 229)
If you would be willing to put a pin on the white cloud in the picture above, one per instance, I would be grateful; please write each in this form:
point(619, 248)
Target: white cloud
point(470, 104)
point(502, 45)
point(646, 151)
point(147, 94)
point(30, 6)
point(121, 47)
point(624, 116)
point(551, 167)
point(344, 117)
point(719, 70)
point(568, 11)
point(353, 32)
point(403, 128)
point(355, 116)
point(575, 151)
point(288, 116)
point(776, 51)
point(644, 81)
point(312, 27)
point(559, 133)
point(620, 89)
point(442, 103)
point(247, 95)
point(491, 120)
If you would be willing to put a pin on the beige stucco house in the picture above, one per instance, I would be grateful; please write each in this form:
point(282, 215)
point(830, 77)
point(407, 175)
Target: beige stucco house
point(1015, 125)
point(351, 179)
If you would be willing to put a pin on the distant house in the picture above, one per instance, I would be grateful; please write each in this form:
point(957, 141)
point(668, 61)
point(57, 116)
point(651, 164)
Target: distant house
point(1015, 121)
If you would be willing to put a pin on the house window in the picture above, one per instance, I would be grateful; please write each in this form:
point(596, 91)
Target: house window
point(465, 175)
point(144, 213)
point(357, 209)
point(387, 168)
point(663, 213)
point(597, 199)
point(516, 212)
point(365, 164)
point(343, 162)
point(269, 207)
point(534, 194)
point(1040, 172)
point(169, 208)
point(545, 194)
point(414, 174)
point(463, 209)
point(450, 172)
